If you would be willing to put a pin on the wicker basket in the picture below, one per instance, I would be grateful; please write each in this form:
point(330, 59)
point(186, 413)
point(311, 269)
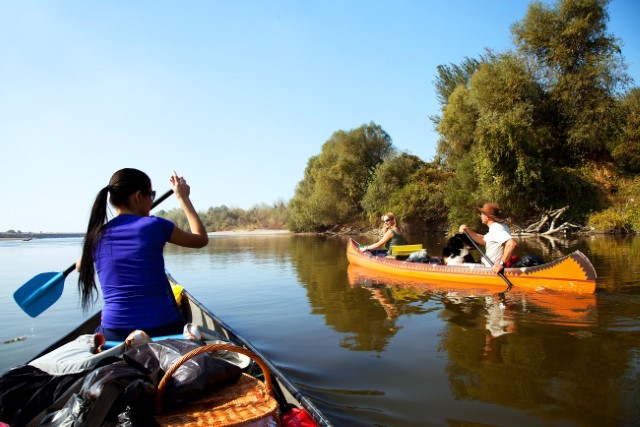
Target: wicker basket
point(247, 401)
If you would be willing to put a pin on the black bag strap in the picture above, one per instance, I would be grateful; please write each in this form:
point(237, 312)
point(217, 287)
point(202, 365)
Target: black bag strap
point(64, 397)
point(110, 393)
point(58, 403)
point(101, 407)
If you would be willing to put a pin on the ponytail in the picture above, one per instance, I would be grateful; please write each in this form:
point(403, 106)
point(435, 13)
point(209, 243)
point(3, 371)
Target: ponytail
point(87, 282)
point(123, 183)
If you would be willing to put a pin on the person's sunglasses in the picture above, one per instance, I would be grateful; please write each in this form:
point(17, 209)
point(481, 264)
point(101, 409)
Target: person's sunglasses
point(387, 220)
point(151, 194)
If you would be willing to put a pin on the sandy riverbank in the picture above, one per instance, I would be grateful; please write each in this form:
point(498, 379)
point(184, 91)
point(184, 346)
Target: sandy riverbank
point(260, 232)
point(30, 236)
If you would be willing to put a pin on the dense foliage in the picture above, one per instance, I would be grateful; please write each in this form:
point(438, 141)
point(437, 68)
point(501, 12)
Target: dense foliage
point(547, 124)
point(336, 180)
point(223, 218)
point(410, 188)
point(359, 176)
point(526, 127)
point(550, 123)
point(627, 151)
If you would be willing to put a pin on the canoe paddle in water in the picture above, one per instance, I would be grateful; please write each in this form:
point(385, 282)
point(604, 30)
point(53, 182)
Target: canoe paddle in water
point(44, 289)
point(501, 274)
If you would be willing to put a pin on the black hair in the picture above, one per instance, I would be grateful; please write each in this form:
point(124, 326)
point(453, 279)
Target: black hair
point(123, 184)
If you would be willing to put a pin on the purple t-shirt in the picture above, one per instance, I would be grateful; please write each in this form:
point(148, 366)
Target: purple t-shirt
point(130, 268)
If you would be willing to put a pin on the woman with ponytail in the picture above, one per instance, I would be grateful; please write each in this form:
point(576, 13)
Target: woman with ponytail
point(126, 253)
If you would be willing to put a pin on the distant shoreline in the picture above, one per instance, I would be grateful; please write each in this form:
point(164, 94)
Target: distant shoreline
point(261, 232)
point(30, 236)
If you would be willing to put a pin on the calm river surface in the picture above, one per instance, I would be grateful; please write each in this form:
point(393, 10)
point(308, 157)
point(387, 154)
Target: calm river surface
point(373, 353)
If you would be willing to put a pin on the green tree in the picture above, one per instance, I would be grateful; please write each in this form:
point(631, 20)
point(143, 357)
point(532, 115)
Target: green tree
point(221, 218)
point(176, 216)
point(421, 202)
point(272, 217)
point(451, 76)
point(461, 193)
point(522, 126)
point(494, 126)
point(627, 151)
point(451, 85)
point(581, 67)
point(457, 127)
point(508, 134)
point(336, 180)
point(389, 177)
point(410, 188)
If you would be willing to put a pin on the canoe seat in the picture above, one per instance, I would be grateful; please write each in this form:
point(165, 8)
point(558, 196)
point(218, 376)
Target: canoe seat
point(405, 250)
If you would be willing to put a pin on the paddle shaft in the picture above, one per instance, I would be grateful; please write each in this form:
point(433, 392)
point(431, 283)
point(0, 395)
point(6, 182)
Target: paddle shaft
point(501, 274)
point(161, 198)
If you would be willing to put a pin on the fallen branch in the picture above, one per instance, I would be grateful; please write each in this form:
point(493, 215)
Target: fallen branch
point(546, 225)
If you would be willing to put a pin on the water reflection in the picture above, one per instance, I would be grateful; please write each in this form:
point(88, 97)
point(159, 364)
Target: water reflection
point(364, 326)
point(545, 353)
point(549, 306)
point(376, 350)
point(364, 341)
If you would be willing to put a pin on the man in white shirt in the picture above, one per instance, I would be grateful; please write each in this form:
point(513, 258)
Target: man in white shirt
point(500, 245)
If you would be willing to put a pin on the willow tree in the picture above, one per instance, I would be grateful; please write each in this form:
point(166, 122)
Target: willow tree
point(451, 85)
point(421, 201)
point(410, 188)
point(451, 76)
point(493, 127)
point(457, 127)
point(336, 180)
point(581, 67)
point(501, 138)
point(389, 177)
point(509, 134)
point(627, 151)
point(520, 128)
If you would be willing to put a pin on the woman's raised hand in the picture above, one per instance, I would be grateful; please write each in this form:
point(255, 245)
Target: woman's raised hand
point(179, 185)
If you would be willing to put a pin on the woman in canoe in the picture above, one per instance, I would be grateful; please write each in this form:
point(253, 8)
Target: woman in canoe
point(391, 236)
point(126, 252)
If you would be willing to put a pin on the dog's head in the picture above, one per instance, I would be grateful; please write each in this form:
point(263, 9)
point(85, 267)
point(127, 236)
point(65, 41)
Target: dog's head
point(455, 245)
point(463, 239)
point(459, 241)
point(449, 252)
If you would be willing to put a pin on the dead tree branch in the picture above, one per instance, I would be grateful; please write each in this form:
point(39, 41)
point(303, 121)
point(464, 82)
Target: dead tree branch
point(546, 225)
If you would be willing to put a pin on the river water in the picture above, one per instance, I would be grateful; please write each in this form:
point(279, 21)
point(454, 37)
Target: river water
point(374, 351)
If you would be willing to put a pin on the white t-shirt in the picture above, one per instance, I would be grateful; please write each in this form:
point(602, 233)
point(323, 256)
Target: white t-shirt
point(498, 234)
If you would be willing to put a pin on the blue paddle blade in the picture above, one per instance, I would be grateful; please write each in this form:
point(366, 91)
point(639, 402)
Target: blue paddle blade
point(40, 293)
point(45, 289)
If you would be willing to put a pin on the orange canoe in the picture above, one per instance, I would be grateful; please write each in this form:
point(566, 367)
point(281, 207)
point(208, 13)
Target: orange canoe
point(572, 273)
point(563, 308)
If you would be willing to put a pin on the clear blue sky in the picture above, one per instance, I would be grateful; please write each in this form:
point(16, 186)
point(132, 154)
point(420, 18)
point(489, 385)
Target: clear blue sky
point(234, 95)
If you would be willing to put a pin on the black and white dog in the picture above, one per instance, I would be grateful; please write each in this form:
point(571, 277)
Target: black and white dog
point(456, 251)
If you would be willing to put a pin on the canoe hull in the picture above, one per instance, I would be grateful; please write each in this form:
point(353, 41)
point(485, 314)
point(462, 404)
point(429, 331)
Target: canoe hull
point(573, 273)
point(287, 394)
point(567, 309)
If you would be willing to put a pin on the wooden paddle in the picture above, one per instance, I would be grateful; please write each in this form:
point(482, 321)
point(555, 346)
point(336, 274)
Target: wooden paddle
point(501, 274)
point(44, 289)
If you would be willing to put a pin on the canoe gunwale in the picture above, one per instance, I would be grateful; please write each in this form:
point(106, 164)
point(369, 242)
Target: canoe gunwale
point(280, 380)
point(288, 393)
